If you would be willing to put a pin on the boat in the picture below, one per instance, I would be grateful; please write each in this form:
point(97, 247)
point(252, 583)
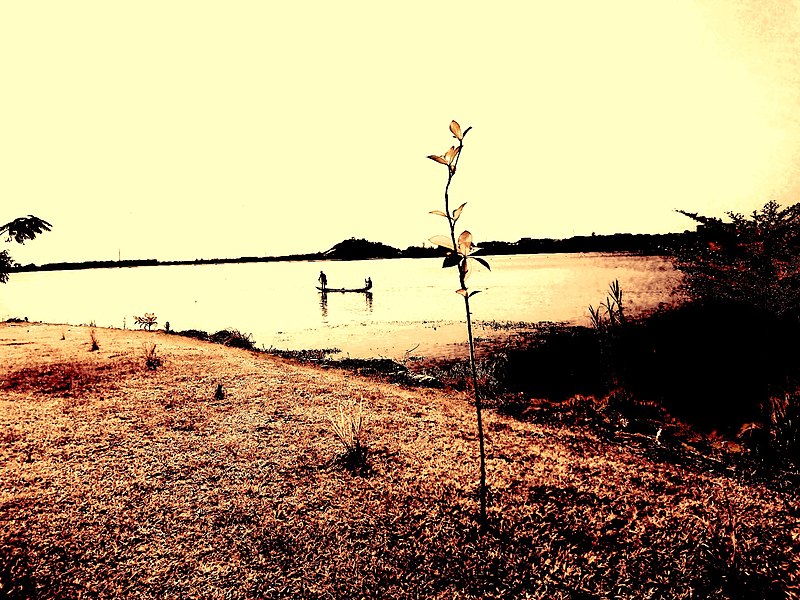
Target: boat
point(363, 290)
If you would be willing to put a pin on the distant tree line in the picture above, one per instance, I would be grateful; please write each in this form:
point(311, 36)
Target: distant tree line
point(361, 249)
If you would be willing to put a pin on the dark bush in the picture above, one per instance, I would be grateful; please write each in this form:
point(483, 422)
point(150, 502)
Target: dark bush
point(713, 364)
point(561, 364)
point(233, 338)
point(193, 333)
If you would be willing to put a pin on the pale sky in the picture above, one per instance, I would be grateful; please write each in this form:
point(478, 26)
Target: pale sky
point(223, 129)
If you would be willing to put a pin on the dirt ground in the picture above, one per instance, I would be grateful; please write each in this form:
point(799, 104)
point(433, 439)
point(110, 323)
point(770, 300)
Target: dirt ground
point(120, 481)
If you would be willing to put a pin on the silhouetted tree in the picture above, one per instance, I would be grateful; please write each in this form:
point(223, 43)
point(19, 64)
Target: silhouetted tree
point(753, 260)
point(19, 230)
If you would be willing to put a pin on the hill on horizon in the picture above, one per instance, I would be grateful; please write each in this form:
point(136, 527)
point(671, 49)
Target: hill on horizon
point(352, 248)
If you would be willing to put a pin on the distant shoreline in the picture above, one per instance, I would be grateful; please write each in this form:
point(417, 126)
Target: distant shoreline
point(353, 249)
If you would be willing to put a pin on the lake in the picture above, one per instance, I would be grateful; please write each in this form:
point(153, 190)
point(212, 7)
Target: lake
point(412, 304)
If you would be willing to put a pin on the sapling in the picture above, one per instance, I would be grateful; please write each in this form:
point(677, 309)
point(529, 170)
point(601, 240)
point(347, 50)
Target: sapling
point(147, 321)
point(460, 250)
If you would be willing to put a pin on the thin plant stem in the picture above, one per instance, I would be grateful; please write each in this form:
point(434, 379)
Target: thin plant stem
point(473, 368)
point(478, 410)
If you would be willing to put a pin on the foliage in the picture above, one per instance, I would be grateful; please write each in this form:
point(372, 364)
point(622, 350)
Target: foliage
point(25, 228)
point(146, 322)
point(460, 251)
point(6, 264)
point(19, 230)
point(753, 260)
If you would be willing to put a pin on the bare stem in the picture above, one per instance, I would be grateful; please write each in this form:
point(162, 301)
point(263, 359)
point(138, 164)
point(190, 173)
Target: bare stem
point(478, 409)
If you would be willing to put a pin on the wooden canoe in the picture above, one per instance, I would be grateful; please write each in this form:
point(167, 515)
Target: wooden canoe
point(363, 290)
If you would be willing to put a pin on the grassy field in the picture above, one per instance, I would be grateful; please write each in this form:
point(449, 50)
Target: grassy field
point(120, 481)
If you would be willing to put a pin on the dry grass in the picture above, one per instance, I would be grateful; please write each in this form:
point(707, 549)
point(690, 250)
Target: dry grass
point(151, 358)
point(132, 483)
point(348, 424)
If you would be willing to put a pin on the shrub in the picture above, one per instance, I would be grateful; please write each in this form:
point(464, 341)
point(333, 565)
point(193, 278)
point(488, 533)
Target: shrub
point(233, 338)
point(753, 260)
point(559, 364)
point(711, 363)
point(196, 334)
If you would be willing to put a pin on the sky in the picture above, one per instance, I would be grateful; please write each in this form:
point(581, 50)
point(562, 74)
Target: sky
point(182, 130)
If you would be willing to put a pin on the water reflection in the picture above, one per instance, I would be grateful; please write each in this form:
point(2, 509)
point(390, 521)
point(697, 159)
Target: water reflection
point(323, 304)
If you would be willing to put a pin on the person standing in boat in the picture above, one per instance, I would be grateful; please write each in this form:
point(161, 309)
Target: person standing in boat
point(368, 283)
point(323, 280)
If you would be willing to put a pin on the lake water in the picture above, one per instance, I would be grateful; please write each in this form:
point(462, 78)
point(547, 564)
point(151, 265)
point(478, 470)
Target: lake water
point(412, 305)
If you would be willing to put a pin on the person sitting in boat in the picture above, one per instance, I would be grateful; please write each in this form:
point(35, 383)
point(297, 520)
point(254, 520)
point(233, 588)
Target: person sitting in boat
point(323, 280)
point(368, 283)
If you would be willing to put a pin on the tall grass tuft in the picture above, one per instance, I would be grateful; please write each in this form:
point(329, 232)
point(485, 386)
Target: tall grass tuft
point(349, 426)
point(613, 307)
point(151, 359)
point(95, 346)
point(460, 250)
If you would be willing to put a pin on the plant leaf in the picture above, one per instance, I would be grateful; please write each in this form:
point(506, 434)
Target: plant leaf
point(451, 154)
point(438, 212)
point(462, 291)
point(482, 261)
point(455, 129)
point(471, 294)
point(443, 241)
point(464, 243)
point(438, 159)
point(451, 260)
point(457, 212)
